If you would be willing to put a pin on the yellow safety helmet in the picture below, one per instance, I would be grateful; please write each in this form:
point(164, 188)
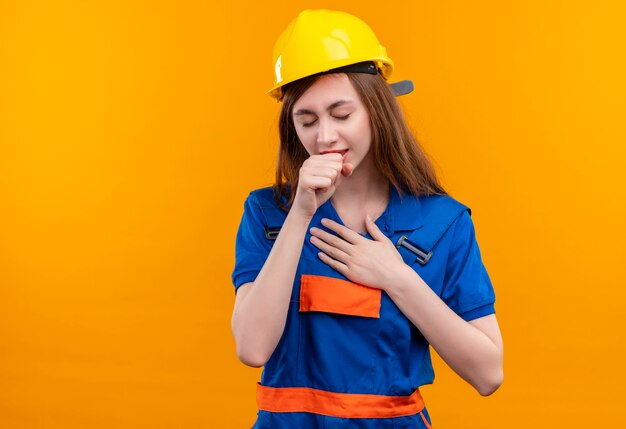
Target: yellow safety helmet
point(318, 41)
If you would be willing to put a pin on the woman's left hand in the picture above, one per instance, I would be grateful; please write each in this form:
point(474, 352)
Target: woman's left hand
point(375, 263)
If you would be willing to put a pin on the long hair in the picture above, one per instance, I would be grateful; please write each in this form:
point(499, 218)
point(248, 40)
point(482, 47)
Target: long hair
point(396, 152)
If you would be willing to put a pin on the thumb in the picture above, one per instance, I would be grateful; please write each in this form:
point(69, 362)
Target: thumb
point(346, 169)
point(373, 229)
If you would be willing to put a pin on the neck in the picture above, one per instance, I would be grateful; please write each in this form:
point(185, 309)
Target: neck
point(360, 188)
point(358, 196)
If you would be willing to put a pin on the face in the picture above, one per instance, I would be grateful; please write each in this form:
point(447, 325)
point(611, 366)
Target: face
point(330, 117)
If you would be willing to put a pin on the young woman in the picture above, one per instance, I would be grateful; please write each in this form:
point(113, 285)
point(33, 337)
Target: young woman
point(356, 260)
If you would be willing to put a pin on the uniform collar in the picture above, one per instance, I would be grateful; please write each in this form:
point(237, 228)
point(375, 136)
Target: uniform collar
point(404, 213)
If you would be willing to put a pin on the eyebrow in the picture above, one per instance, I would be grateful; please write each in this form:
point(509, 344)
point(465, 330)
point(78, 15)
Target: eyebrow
point(329, 108)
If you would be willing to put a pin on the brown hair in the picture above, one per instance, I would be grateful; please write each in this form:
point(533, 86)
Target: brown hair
point(397, 154)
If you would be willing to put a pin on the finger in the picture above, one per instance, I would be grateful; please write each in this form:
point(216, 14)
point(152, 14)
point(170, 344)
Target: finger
point(332, 156)
point(343, 231)
point(331, 173)
point(316, 163)
point(330, 250)
point(332, 170)
point(316, 182)
point(336, 265)
point(326, 159)
point(329, 155)
point(331, 239)
point(373, 229)
point(319, 170)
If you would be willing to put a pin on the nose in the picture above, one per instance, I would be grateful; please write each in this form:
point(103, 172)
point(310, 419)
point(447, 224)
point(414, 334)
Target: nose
point(326, 132)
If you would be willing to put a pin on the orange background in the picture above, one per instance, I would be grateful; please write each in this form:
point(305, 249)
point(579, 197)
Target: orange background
point(131, 132)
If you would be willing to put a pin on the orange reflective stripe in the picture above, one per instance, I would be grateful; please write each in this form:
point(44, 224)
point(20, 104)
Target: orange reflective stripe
point(320, 293)
point(428, 426)
point(346, 405)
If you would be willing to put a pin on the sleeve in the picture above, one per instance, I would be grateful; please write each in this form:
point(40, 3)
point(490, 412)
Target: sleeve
point(251, 246)
point(467, 288)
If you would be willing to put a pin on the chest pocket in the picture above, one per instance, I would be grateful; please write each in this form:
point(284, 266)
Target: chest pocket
point(333, 295)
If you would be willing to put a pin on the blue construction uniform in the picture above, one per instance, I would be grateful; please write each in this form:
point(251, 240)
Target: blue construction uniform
point(357, 351)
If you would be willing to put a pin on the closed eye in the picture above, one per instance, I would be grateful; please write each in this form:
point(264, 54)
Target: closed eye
point(311, 123)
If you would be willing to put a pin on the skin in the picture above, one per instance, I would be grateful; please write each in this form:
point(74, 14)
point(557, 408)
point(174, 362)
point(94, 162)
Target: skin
point(330, 118)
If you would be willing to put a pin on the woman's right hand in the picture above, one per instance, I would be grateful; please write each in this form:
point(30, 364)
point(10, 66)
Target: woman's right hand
point(319, 177)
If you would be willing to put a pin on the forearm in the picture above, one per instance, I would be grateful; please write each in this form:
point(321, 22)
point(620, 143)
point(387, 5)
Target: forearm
point(259, 317)
point(470, 352)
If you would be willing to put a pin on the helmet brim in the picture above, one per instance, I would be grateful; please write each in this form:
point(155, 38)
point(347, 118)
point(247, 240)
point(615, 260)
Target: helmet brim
point(402, 87)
